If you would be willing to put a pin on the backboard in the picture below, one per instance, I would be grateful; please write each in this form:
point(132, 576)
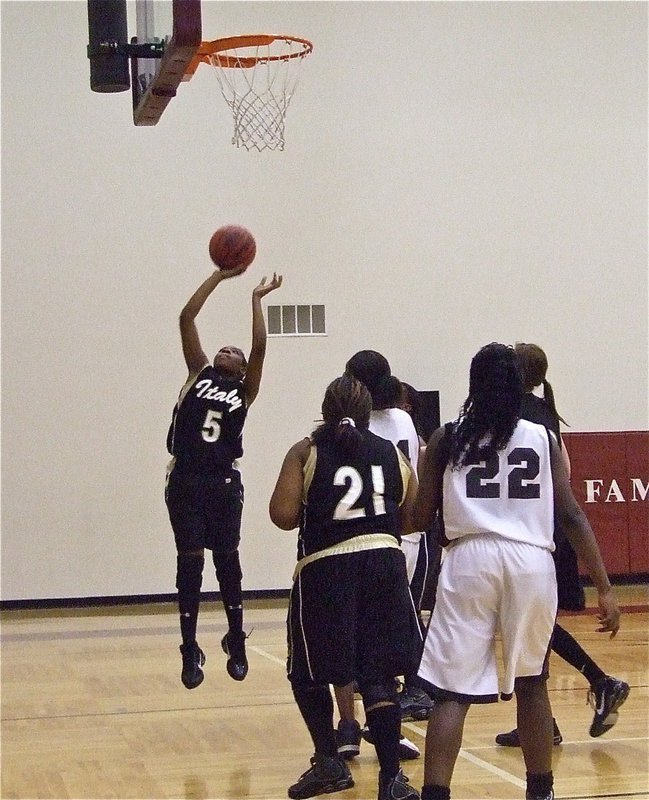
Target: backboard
point(154, 81)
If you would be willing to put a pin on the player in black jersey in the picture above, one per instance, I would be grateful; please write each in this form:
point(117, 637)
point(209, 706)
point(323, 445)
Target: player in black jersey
point(203, 491)
point(351, 615)
point(390, 422)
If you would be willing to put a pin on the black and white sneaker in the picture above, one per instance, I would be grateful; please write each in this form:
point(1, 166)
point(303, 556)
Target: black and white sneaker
point(414, 703)
point(511, 739)
point(325, 775)
point(397, 789)
point(407, 749)
point(234, 646)
point(606, 697)
point(193, 659)
point(348, 739)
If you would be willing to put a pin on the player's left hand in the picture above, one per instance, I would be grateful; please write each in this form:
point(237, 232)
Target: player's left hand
point(262, 289)
point(609, 613)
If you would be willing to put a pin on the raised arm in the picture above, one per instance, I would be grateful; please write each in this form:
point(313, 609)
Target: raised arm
point(285, 505)
point(252, 377)
point(575, 524)
point(195, 357)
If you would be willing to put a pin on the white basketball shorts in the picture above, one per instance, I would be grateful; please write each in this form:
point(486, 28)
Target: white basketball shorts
point(489, 588)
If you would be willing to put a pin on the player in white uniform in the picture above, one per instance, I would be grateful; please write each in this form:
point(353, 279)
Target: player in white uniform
point(499, 481)
point(396, 425)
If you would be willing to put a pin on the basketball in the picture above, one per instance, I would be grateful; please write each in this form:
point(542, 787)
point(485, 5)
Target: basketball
point(232, 246)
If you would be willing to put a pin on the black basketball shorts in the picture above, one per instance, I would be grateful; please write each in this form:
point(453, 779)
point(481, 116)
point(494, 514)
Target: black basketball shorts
point(351, 617)
point(205, 510)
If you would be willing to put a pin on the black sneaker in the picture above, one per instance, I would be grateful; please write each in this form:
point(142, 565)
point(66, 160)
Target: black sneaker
point(415, 704)
point(234, 646)
point(511, 739)
point(530, 796)
point(348, 738)
point(326, 775)
point(407, 750)
point(193, 659)
point(606, 697)
point(397, 789)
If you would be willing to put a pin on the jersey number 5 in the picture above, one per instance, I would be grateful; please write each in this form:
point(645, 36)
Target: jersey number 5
point(345, 508)
point(211, 427)
point(483, 480)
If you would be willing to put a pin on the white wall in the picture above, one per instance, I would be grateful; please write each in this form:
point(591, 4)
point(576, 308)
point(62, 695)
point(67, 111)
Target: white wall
point(454, 173)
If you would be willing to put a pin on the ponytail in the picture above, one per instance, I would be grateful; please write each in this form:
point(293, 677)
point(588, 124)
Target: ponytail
point(345, 412)
point(548, 396)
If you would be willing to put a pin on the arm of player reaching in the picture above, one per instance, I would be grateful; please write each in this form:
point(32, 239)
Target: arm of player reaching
point(195, 357)
point(255, 367)
point(574, 522)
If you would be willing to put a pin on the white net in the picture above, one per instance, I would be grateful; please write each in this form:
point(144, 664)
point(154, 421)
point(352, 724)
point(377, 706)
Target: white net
point(258, 82)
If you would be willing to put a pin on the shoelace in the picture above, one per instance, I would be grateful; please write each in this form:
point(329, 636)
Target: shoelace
point(591, 699)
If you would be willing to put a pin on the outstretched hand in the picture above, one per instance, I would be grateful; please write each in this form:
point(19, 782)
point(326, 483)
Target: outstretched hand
point(263, 288)
point(609, 613)
point(230, 273)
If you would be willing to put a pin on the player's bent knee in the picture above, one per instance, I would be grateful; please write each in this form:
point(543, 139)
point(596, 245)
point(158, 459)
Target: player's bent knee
point(530, 683)
point(379, 694)
point(227, 565)
point(189, 572)
point(313, 700)
point(302, 687)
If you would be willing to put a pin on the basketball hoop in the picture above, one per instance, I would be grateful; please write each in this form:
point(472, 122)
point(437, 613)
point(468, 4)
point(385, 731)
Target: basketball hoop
point(258, 76)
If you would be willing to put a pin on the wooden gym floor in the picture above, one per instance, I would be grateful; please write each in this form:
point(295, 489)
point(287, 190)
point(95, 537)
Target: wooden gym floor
point(93, 707)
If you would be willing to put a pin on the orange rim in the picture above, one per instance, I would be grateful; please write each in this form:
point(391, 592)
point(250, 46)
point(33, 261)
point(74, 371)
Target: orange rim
point(208, 52)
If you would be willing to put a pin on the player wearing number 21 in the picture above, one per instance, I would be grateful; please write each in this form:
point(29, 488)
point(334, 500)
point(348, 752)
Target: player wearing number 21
point(351, 617)
point(203, 492)
point(499, 481)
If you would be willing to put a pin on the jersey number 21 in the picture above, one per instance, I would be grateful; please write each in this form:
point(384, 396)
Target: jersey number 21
point(350, 477)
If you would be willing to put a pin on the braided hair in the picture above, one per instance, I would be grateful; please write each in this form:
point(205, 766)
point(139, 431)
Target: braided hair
point(489, 415)
point(345, 413)
point(373, 369)
point(534, 366)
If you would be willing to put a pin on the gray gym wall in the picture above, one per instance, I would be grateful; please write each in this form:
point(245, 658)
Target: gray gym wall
point(454, 173)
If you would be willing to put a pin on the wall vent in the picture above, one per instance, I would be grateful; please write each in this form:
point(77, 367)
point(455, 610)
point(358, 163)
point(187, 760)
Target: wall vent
point(297, 320)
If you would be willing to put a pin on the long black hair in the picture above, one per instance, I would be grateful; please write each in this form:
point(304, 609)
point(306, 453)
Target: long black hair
point(489, 415)
point(345, 413)
point(373, 369)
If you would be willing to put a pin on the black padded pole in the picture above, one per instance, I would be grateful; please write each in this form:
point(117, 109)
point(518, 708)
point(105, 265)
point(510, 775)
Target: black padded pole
point(107, 23)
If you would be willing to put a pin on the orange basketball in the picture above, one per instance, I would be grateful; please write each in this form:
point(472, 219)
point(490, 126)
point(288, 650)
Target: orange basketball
point(232, 246)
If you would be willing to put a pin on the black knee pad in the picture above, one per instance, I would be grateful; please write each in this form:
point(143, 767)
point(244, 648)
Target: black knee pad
point(378, 693)
point(313, 699)
point(228, 574)
point(306, 689)
point(189, 574)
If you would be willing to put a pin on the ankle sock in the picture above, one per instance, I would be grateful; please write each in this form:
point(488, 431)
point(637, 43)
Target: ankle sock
point(540, 784)
point(435, 792)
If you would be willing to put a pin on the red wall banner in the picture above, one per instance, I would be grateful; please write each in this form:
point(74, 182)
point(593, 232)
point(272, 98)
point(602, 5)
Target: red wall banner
point(610, 479)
